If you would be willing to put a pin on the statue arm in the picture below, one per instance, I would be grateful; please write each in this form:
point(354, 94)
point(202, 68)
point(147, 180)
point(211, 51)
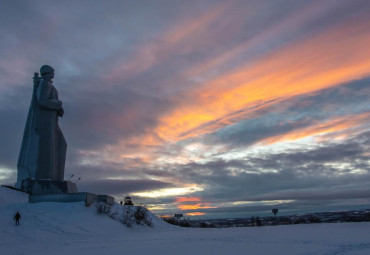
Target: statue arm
point(44, 100)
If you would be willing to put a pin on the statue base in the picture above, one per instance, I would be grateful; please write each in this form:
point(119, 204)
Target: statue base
point(48, 187)
point(86, 197)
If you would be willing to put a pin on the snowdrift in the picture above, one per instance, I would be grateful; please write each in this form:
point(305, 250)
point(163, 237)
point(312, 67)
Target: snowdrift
point(65, 217)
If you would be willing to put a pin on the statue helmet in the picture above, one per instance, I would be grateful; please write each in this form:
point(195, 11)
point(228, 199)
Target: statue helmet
point(46, 69)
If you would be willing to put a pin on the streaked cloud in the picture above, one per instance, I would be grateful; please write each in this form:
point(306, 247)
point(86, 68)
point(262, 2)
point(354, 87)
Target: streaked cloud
point(295, 70)
point(187, 199)
point(340, 128)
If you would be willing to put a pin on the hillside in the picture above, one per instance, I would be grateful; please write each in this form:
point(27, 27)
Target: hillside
point(72, 228)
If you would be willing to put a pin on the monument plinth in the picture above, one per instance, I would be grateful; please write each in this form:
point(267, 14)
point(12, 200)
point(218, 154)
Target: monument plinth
point(40, 187)
point(43, 151)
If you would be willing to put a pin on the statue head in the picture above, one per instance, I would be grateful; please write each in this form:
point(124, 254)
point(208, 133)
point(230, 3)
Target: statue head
point(47, 72)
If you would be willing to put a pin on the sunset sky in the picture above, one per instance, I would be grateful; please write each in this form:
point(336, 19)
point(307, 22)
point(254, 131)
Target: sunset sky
point(208, 108)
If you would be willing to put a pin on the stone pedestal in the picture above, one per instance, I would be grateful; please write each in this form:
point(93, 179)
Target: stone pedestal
point(48, 187)
point(86, 197)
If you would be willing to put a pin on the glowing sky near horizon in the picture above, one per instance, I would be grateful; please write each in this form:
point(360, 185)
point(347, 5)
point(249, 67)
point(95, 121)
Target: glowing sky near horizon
point(209, 108)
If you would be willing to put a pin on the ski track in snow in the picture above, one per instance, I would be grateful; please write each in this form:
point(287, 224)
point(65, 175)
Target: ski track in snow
point(72, 228)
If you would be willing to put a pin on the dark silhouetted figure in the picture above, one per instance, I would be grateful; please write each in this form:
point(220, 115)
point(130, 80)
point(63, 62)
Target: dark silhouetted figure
point(275, 211)
point(17, 217)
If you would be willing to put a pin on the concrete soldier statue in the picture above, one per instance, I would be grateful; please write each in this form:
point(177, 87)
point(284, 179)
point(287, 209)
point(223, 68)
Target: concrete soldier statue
point(43, 151)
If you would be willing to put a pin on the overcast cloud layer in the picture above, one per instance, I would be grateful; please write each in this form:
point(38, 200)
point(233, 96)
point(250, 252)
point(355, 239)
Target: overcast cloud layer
point(210, 108)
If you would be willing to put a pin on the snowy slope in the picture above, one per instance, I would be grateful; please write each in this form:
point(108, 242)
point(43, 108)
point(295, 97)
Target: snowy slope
point(72, 228)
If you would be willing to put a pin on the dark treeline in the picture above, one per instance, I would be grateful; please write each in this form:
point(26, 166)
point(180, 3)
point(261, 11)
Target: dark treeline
point(255, 221)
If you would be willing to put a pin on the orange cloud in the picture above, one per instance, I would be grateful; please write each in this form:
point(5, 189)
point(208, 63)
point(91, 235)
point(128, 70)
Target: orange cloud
point(191, 203)
point(329, 127)
point(291, 22)
point(327, 60)
point(194, 207)
point(163, 216)
point(187, 199)
point(195, 214)
point(335, 56)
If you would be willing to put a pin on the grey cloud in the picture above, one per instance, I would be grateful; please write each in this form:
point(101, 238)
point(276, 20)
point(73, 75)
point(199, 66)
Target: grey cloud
point(322, 194)
point(296, 171)
point(11, 129)
point(120, 187)
point(103, 117)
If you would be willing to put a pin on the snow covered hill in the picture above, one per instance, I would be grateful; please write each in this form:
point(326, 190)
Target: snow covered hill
point(72, 228)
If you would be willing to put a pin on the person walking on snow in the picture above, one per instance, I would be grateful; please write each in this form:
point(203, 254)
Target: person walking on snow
point(17, 217)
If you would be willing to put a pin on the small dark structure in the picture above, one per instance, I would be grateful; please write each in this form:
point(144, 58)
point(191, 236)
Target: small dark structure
point(178, 216)
point(275, 211)
point(128, 201)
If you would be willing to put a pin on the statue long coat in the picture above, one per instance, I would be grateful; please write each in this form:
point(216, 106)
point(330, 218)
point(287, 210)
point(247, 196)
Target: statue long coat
point(43, 149)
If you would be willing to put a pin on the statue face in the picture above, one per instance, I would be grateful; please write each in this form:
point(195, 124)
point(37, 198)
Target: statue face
point(48, 76)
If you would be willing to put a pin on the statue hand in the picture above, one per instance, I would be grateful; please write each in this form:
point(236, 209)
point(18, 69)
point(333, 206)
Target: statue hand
point(61, 112)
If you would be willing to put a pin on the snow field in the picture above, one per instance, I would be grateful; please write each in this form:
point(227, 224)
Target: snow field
point(72, 228)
